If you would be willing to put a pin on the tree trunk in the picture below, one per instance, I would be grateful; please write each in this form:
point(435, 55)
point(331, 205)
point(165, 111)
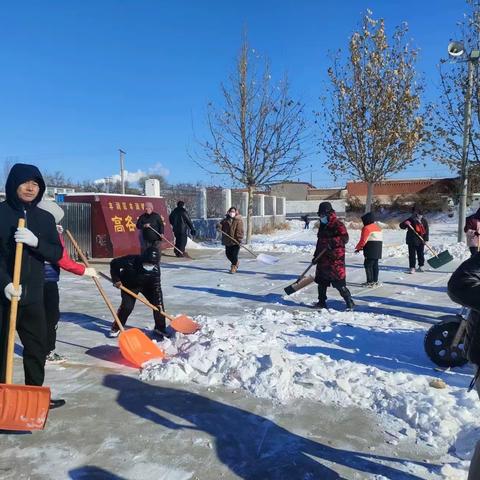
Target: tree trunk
point(251, 189)
point(368, 205)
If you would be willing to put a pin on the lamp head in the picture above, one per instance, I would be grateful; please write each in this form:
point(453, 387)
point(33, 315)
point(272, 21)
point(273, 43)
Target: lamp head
point(456, 49)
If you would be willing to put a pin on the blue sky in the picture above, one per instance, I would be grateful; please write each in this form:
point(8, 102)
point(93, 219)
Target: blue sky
point(81, 79)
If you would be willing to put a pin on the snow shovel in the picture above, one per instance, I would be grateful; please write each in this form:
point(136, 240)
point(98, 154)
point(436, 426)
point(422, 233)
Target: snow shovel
point(268, 259)
point(302, 281)
point(134, 345)
point(22, 407)
point(183, 254)
point(181, 323)
point(438, 260)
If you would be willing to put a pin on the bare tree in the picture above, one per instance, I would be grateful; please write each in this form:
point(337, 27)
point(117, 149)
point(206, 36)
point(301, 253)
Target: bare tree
point(256, 135)
point(446, 120)
point(371, 123)
point(8, 163)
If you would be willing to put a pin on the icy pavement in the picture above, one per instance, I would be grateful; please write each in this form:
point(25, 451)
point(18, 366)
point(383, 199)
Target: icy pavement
point(269, 388)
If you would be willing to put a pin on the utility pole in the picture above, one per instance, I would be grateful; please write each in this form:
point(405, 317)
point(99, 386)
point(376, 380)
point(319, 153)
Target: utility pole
point(122, 170)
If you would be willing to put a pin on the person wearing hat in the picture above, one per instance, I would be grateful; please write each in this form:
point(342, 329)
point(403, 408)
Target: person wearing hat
point(141, 274)
point(332, 236)
point(181, 224)
point(24, 190)
point(51, 298)
point(417, 234)
point(152, 227)
point(472, 230)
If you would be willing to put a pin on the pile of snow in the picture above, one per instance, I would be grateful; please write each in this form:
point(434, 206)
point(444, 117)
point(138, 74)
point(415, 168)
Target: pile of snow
point(364, 360)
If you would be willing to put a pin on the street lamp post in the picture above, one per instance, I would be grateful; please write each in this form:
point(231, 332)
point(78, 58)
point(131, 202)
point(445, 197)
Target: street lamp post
point(456, 49)
point(122, 169)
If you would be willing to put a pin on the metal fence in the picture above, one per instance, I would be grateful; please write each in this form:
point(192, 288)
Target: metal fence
point(215, 206)
point(78, 219)
point(188, 195)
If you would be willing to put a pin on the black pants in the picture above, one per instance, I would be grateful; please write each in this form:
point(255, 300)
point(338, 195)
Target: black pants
point(32, 330)
point(371, 269)
point(416, 251)
point(128, 302)
point(231, 251)
point(155, 243)
point(180, 242)
point(340, 285)
point(51, 301)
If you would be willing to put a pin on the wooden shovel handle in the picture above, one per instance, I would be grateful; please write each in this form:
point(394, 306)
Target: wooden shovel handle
point(238, 243)
point(97, 282)
point(168, 241)
point(314, 261)
point(424, 242)
point(12, 327)
point(138, 297)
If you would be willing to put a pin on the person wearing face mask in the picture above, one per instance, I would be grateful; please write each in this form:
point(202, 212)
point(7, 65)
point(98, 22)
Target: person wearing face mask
point(232, 225)
point(24, 190)
point(332, 236)
point(416, 226)
point(141, 274)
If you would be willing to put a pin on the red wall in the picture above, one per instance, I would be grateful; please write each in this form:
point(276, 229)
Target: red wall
point(114, 219)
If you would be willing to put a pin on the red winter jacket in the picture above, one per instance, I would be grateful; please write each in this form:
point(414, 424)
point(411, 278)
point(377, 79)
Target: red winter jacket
point(66, 263)
point(333, 236)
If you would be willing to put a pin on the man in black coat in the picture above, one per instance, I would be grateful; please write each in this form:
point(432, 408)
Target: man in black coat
point(148, 221)
point(141, 274)
point(24, 190)
point(181, 224)
point(464, 289)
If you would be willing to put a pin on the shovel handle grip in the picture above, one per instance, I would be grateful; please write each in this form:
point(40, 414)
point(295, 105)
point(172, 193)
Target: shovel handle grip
point(239, 244)
point(97, 283)
point(12, 326)
point(168, 241)
point(138, 297)
point(424, 242)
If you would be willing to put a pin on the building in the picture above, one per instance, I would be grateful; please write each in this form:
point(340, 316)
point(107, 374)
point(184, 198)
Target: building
point(291, 190)
point(387, 191)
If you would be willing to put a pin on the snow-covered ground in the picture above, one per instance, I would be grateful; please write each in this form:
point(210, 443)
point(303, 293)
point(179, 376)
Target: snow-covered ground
point(300, 371)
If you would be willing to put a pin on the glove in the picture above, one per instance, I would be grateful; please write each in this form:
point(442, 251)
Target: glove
point(477, 234)
point(117, 284)
point(11, 292)
point(90, 272)
point(357, 251)
point(194, 233)
point(408, 223)
point(24, 235)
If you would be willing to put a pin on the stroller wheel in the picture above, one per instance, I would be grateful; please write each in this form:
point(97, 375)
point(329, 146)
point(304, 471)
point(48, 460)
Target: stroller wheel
point(438, 342)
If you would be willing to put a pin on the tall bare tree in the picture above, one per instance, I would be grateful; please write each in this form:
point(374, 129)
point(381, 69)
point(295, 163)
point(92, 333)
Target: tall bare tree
point(371, 124)
point(256, 135)
point(446, 122)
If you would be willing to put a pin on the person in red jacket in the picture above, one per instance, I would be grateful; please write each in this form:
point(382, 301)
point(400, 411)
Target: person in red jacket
point(371, 240)
point(332, 236)
point(51, 299)
point(472, 229)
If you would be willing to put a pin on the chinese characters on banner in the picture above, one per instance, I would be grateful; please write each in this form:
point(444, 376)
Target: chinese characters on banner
point(125, 223)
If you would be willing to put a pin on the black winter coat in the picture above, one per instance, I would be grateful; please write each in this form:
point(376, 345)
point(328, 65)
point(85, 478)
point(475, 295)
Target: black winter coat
point(129, 270)
point(411, 238)
point(155, 220)
point(180, 221)
point(40, 222)
point(464, 289)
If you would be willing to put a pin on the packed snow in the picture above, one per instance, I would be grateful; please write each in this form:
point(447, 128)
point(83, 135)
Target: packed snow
point(367, 360)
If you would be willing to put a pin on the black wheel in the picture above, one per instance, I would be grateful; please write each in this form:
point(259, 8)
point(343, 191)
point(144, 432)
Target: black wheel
point(437, 344)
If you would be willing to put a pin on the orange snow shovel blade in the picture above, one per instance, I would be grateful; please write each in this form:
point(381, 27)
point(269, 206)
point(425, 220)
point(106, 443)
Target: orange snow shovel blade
point(137, 348)
point(184, 324)
point(23, 407)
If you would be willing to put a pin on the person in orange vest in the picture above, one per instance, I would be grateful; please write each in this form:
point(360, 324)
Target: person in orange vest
point(371, 242)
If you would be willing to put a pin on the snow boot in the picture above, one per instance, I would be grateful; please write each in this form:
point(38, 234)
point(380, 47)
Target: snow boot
point(54, 357)
point(420, 269)
point(347, 296)
point(59, 402)
point(320, 305)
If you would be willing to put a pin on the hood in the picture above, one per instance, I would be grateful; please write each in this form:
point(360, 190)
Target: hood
point(21, 173)
point(368, 218)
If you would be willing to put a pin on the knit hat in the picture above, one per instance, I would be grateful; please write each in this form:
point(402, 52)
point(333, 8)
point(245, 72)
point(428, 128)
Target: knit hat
point(52, 207)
